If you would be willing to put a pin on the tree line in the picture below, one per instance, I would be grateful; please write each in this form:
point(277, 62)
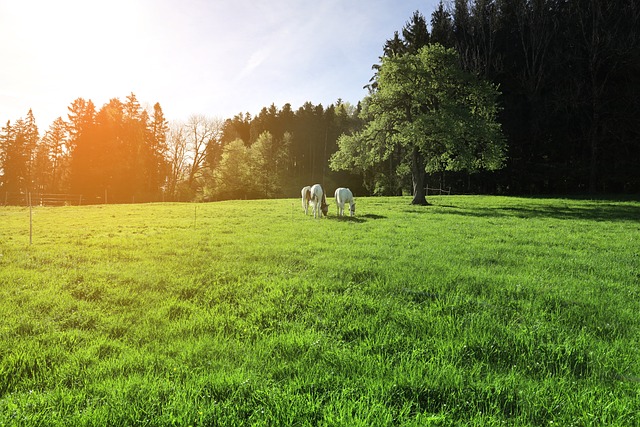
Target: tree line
point(568, 72)
point(566, 79)
point(122, 153)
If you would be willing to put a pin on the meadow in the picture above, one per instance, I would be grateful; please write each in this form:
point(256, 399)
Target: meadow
point(476, 310)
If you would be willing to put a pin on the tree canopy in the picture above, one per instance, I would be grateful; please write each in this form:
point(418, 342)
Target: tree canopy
point(429, 113)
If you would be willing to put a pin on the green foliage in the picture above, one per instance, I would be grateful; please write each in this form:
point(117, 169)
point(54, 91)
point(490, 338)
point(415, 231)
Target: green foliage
point(254, 171)
point(18, 144)
point(268, 161)
point(233, 173)
point(475, 311)
point(431, 112)
point(118, 150)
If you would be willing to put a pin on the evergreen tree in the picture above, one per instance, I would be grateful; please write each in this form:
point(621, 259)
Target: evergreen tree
point(415, 33)
point(233, 174)
point(267, 157)
point(238, 127)
point(7, 136)
point(54, 142)
point(31, 137)
point(158, 168)
point(18, 155)
point(442, 27)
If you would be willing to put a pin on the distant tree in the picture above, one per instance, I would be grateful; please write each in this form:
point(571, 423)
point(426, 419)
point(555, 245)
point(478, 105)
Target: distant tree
point(266, 120)
point(308, 142)
point(200, 131)
point(238, 127)
point(233, 175)
point(18, 144)
point(158, 167)
point(394, 46)
point(55, 143)
point(606, 40)
point(176, 157)
point(31, 137)
point(267, 163)
point(415, 33)
point(136, 181)
point(81, 117)
point(442, 27)
point(118, 152)
point(463, 33)
point(441, 117)
point(7, 137)
point(82, 131)
point(485, 22)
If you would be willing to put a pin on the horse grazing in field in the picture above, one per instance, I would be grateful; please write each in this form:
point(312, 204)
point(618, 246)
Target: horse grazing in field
point(306, 198)
point(318, 200)
point(344, 195)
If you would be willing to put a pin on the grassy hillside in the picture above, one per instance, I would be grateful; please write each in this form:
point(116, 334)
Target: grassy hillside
point(475, 311)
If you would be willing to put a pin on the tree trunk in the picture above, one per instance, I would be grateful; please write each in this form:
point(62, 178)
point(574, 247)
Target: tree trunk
point(417, 175)
point(594, 142)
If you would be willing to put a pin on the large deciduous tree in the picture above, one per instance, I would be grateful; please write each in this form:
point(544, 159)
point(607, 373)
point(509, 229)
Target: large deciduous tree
point(177, 159)
point(436, 115)
point(200, 132)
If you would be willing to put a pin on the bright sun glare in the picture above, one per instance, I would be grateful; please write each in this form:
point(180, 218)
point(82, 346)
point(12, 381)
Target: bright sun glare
point(81, 49)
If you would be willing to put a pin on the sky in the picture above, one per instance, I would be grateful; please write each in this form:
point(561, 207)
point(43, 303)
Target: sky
point(215, 58)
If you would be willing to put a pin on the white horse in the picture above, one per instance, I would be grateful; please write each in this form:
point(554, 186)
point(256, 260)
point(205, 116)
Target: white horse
point(306, 197)
point(318, 200)
point(344, 195)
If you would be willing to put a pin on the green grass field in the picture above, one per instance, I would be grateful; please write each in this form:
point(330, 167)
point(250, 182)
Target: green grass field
point(472, 311)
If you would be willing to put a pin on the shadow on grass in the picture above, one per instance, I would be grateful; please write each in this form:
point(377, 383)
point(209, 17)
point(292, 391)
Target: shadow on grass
point(589, 212)
point(571, 209)
point(426, 209)
point(356, 219)
point(347, 219)
point(373, 216)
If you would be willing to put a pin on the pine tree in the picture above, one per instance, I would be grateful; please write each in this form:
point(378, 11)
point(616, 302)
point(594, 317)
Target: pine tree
point(55, 143)
point(415, 33)
point(442, 27)
point(31, 137)
point(157, 167)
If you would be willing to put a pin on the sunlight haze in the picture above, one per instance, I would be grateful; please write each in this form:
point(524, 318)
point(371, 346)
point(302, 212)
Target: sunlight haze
point(192, 56)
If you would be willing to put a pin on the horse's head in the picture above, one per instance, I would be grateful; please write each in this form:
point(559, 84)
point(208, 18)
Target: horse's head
point(352, 209)
point(324, 208)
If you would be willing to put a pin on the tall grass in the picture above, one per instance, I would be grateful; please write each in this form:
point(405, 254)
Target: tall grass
point(474, 311)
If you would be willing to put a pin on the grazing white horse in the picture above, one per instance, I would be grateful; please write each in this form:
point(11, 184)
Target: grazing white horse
point(318, 200)
point(306, 198)
point(344, 195)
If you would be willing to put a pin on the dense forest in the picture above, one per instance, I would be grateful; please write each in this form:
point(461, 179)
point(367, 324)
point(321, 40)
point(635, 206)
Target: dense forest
point(568, 73)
